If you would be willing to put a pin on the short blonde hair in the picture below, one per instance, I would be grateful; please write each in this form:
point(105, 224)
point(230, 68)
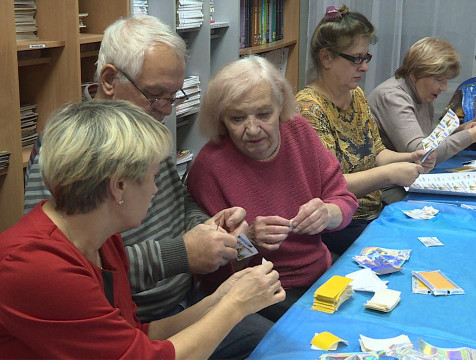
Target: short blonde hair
point(86, 144)
point(430, 57)
point(233, 81)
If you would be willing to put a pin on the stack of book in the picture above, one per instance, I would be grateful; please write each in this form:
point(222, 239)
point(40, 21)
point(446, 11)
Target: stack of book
point(191, 87)
point(82, 25)
point(261, 22)
point(383, 300)
point(189, 14)
point(184, 159)
point(4, 160)
point(330, 295)
point(25, 21)
point(29, 118)
point(140, 7)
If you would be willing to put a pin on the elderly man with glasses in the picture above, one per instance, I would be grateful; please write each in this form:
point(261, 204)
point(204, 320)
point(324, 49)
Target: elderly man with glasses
point(143, 61)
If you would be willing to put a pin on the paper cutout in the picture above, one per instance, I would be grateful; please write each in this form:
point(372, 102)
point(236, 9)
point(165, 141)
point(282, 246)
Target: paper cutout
point(366, 280)
point(384, 300)
point(430, 241)
point(462, 353)
point(377, 345)
point(418, 287)
point(437, 282)
point(244, 247)
point(428, 212)
point(330, 295)
point(326, 341)
point(448, 124)
point(381, 260)
point(350, 356)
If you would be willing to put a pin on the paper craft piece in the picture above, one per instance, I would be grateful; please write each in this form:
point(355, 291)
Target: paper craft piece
point(418, 287)
point(411, 352)
point(428, 212)
point(377, 345)
point(437, 282)
point(448, 124)
point(462, 353)
point(384, 300)
point(470, 207)
point(381, 260)
point(430, 241)
point(330, 295)
point(427, 155)
point(263, 260)
point(350, 356)
point(462, 183)
point(326, 341)
point(366, 280)
point(244, 247)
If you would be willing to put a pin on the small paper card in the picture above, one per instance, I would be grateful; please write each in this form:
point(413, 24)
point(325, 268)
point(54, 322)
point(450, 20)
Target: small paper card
point(430, 241)
point(350, 356)
point(366, 280)
point(326, 341)
point(384, 300)
point(369, 344)
point(244, 247)
point(437, 282)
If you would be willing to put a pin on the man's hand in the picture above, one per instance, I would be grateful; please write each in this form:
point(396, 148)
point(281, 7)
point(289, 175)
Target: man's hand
point(231, 220)
point(209, 248)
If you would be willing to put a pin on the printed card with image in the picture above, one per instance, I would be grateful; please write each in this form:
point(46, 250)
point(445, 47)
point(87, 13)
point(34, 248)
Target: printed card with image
point(244, 247)
point(430, 241)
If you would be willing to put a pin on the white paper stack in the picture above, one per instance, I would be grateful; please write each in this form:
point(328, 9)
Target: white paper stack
point(189, 14)
point(366, 280)
point(191, 87)
point(28, 118)
point(377, 345)
point(25, 11)
point(384, 300)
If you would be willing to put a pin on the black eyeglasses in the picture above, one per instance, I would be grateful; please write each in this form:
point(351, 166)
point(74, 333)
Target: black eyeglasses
point(357, 60)
point(159, 102)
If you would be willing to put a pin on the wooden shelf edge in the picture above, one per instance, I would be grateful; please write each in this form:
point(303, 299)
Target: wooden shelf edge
point(23, 45)
point(267, 47)
point(25, 154)
point(85, 38)
point(29, 62)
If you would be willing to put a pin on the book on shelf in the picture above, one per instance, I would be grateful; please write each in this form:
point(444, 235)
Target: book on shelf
point(28, 121)
point(279, 58)
point(140, 7)
point(184, 160)
point(191, 87)
point(25, 22)
point(4, 159)
point(81, 17)
point(261, 22)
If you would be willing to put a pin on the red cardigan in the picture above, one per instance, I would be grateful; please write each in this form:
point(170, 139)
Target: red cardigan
point(221, 176)
point(52, 300)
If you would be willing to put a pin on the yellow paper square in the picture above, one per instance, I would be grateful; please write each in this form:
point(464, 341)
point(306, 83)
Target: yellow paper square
point(333, 287)
point(326, 341)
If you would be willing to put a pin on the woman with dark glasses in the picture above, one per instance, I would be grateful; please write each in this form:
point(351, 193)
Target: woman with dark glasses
point(337, 109)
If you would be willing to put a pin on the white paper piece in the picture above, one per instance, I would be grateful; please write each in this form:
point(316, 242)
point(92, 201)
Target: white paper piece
point(366, 280)
point(462, 183)
point(384, 300)
point(428, 212)
point(430, 241)
point(369, 344)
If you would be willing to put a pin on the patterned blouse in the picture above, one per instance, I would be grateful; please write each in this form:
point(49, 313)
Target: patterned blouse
point(352, 135)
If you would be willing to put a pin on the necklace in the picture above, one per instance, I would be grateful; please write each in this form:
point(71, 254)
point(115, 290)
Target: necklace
point(68, 234)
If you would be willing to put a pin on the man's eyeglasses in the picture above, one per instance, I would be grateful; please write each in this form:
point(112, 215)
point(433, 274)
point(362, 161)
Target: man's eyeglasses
point(159, 102)
point(357, 60)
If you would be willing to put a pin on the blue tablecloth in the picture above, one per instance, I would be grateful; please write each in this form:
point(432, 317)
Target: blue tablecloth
point(444, 321)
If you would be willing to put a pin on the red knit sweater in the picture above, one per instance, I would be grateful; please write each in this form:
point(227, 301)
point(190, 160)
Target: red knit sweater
point(52, 300)
point(221, 176)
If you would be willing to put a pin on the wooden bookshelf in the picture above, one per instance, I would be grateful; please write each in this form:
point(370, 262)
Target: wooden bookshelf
point(47, 72)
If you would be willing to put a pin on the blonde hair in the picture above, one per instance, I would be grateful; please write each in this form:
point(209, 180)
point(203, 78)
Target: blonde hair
point(338, 32)
point(233, 81)
point(86, 144)
point(127, 40)
point(430, 57)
